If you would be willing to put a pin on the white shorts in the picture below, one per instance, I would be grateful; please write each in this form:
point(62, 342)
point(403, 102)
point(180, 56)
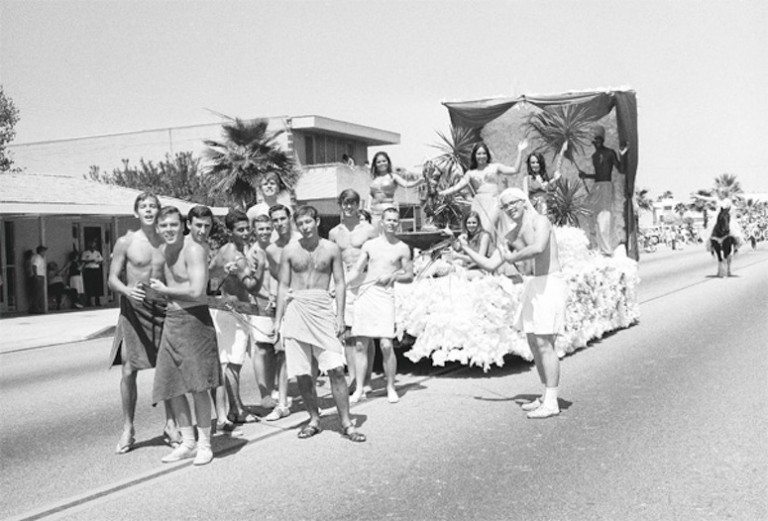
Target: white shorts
point(542, 305)
point(232, 335)
point(298, 358)
point(260, 327)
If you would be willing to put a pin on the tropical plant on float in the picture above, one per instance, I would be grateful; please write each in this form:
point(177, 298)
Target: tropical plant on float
point(567, 203)
point(456, 150)
point(558, 124)
point(444, 171)
point(726, 185)
point(247, 152)
point(680, 209)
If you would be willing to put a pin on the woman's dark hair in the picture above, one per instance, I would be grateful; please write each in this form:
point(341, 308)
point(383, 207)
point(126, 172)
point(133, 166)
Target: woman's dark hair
point(366, 215)
point(723, 224)
point(542, 166)
point(374, 170)
point(469, 216)
point(473, 156)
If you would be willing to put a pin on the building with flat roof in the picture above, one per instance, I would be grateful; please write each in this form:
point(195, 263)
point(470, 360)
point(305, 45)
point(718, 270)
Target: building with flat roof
point(65, 214)
point(52, 204)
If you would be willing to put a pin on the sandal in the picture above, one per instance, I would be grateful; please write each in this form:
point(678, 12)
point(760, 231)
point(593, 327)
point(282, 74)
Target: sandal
point(171, 438)
point(244, 417)
point(309, 431)
point(123, 448)
point(353, 435)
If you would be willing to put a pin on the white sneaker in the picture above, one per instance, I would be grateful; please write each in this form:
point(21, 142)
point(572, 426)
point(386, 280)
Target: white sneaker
point(531, 406)
point(544, 412)
point(179, 453)
point(204, 456)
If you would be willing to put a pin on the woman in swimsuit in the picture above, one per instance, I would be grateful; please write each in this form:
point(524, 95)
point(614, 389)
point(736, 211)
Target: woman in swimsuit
point(383, 186)
point(478, 239)
point(484, 178)
point(539, 182)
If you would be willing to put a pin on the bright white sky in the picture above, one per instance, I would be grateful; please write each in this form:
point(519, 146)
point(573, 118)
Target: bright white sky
point(700, 68)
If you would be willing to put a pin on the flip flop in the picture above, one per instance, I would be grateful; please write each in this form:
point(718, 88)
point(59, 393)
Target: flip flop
point(124, 448)
point(357, 437)
point(245, 417)
point(309, 431)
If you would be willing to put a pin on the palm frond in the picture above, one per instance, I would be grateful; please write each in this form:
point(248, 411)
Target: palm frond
point(556, 125)
point(567, 202)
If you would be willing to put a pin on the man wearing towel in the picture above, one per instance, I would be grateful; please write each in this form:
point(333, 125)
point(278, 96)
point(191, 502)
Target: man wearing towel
point(389, 261)
point(307, 323)
point(188, 361)
point(140, 324)
point(350, 235)
point(542, 303)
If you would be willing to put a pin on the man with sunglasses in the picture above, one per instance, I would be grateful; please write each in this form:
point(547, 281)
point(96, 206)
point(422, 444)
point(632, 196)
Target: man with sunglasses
point(541, 315)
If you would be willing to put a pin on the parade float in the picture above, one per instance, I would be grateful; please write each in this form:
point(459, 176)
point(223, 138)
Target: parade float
point(453, 314)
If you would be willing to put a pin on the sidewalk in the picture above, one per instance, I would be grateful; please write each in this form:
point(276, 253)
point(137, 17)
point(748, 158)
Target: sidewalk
point(32, 331)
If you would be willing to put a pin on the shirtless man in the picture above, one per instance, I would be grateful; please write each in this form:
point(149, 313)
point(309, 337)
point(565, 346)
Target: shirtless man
point(389, 261)
point(265, 355)
point(349, 235)
point(233, 331)
point(137, 336)
point(307, 324)
point(284, 228)
point(188, 360)
point(542, 310)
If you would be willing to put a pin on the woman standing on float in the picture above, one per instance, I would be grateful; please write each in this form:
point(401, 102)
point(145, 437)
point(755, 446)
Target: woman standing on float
point(383, 186)
point(483, 177)
point(539, 183)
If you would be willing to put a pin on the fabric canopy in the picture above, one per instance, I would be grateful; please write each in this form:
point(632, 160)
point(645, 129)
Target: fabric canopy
point(478, 113)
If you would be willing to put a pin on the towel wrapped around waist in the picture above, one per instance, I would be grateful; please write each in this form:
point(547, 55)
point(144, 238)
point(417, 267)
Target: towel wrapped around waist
point(188, 360)
point(138, 333)
point(310, 318)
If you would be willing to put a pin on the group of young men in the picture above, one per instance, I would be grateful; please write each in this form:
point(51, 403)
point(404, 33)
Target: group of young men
point(282, 297)
point(298, 303)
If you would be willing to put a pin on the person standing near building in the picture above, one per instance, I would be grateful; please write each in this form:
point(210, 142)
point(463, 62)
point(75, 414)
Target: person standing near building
point(37, 277)
point(604, 160)
point(93, 273)
point(268, 360)
point(388, 260)
point(188, 360)
point(307, 323)
point(140, 323)
point(541, 315)
point(350, 235)
point(232, 314)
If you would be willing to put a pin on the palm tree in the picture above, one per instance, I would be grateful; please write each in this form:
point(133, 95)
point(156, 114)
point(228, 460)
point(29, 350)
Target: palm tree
point(726, 185)
point(556, 125)
point(680, 209)
point(248, 152)
point(704, 202)
point(567, 203)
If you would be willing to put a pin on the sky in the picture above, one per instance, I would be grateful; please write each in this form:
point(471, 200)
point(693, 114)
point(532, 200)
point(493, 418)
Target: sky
point(700, 69)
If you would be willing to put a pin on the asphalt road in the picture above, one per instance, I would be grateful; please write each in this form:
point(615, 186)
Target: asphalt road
point(665, 420)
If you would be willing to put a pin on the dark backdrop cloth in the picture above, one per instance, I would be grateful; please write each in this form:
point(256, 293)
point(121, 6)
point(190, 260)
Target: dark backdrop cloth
point(478, 113)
